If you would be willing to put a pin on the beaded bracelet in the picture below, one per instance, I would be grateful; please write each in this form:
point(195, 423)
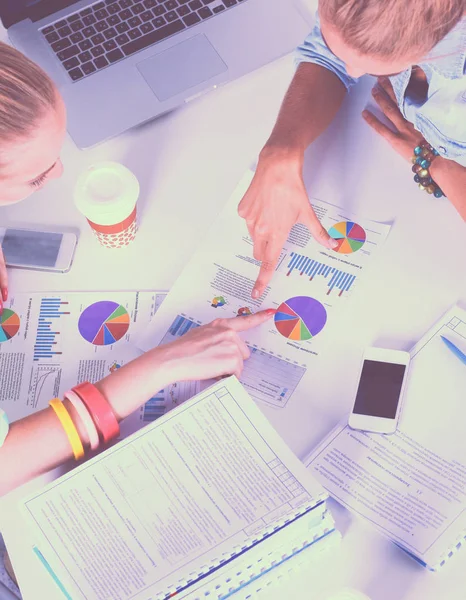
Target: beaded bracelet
point(424, 154)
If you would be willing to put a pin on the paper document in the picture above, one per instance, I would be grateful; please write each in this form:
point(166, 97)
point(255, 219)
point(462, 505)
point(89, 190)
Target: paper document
point(411, 485)
point(163, 508)
point(310, 286)
point(50, 343)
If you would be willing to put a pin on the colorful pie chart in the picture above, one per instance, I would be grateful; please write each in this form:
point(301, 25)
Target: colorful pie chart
point(300, 318)
point(350, 237)
point(104, 323)
point(9, 324)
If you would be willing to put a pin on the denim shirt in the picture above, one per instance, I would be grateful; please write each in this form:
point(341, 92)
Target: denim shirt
point(441, 118)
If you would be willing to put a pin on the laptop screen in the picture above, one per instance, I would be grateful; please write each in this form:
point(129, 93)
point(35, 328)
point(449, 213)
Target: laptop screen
point(13, 11)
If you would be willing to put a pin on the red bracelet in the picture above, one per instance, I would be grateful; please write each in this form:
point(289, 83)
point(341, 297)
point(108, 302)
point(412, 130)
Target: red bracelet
point(100, 410)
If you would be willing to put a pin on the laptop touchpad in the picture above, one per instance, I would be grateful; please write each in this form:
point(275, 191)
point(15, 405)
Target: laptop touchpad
point(182, 67)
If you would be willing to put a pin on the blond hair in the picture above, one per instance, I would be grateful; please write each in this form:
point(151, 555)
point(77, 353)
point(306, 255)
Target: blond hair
point(392, 28)
point(26, 94)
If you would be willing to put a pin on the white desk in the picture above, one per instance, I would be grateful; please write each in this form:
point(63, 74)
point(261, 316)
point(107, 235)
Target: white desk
point(188, 163)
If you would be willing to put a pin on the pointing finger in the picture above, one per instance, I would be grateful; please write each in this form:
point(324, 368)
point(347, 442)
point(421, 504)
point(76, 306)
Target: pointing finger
point(249, 322)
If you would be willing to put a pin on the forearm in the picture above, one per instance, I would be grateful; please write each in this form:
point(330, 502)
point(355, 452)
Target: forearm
point(311, 103)
point(451, 178)
point(38, 443)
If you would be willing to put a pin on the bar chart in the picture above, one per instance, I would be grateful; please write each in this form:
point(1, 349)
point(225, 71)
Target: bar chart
point(154, 408)
point(48, 328)
point(336, 279)
point(179, 327)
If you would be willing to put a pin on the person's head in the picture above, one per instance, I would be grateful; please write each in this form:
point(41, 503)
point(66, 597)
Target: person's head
point(383, 37)
point(32, 127)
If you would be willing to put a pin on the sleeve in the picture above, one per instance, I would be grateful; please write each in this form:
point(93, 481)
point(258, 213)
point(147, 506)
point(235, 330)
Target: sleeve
point(4, 426)
point(315, 50)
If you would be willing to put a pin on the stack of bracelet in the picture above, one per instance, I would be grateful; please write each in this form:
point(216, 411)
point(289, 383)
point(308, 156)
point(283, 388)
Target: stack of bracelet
point(95, 413)
point(424, 154)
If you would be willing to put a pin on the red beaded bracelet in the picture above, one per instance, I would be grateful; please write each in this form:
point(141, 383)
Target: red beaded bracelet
point(100, 410)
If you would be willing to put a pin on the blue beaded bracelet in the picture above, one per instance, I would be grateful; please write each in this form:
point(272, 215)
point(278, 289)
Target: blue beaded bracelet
point(424, 154)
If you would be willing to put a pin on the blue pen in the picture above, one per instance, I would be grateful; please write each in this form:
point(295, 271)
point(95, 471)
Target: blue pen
point(456, 351)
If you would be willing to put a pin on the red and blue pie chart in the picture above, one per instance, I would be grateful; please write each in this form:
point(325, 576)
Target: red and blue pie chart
point(300, 318)
point(104, 323)
point(350, 236)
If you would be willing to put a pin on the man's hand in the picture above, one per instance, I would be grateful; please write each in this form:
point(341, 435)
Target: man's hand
point(275, 201)
point(3, 281)
point(406, 137)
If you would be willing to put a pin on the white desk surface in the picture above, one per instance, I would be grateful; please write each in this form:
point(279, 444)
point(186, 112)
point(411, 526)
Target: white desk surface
point(188, 163)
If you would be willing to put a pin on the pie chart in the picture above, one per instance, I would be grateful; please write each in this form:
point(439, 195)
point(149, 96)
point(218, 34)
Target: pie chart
point(104, 323)
point(300, 318)
point(9, 324)
point(350, 237)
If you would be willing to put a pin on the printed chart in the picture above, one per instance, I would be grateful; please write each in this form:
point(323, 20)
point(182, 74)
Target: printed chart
point(300, 318)
point(48, 329)
point(267, 377)
point(336, 278)
point(45, 384)
point(9, 324)
point(179, 327)
point(104, 323)
point(350, 236)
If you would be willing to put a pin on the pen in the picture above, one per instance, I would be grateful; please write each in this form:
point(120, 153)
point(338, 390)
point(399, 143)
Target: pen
point(456, 351)
point(6, 593)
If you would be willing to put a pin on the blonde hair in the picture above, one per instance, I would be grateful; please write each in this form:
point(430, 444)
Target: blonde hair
point(26, 94)
point(392, 28)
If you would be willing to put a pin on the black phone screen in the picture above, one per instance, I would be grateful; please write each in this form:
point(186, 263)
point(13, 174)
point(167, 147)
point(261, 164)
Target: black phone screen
point(379, 389)
point(31, 248)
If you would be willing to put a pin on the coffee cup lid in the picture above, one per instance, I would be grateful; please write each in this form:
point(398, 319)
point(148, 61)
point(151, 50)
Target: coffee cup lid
point(106, 193)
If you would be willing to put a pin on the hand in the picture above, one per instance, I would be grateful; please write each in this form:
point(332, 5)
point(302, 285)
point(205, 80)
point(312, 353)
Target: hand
point(406, 138)
point(3, 281)
point(274, 202)
point(211, 350)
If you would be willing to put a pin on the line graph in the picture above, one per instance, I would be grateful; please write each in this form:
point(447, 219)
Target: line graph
point(44, 385)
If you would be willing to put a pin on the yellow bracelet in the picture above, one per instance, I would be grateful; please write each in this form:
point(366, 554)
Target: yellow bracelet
point(69, 427)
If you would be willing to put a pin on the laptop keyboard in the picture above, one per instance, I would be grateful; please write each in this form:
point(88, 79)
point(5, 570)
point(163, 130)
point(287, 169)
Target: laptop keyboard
point(109, 31)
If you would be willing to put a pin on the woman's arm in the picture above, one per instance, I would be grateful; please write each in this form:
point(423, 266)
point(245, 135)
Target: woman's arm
point(38, 443)
point(451, 178)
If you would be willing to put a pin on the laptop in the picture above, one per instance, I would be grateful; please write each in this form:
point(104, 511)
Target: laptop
point(120, 63)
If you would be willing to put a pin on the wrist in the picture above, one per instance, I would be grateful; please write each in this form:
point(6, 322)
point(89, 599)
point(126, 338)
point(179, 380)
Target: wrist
point(82, 432)
point(275, 153)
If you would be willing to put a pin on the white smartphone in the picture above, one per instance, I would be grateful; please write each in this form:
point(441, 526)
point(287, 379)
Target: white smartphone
point(381, 385)
point(38, 250)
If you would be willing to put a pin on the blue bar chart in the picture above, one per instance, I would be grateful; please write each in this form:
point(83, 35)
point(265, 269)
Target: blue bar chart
point(48, 328)
point(179, 327)
point(154, 408)
point(336, 278)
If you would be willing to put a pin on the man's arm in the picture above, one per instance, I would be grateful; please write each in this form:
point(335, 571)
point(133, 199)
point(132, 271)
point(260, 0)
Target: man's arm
point(451, 178)
point(312, 101)
point(277, 198)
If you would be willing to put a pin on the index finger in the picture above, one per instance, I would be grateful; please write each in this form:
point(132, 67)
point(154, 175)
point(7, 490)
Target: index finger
point(267, 269)
point(244, 323)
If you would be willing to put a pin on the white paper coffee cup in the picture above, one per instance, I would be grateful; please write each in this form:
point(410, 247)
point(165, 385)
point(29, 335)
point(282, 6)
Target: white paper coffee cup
point(106, 193)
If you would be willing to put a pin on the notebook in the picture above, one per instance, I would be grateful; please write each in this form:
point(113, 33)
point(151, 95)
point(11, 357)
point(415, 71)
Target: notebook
point(205, 501)
point(411, 485)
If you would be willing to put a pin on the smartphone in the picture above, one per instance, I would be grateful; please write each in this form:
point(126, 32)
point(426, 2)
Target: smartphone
point(381, 385)
point(38, 250)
